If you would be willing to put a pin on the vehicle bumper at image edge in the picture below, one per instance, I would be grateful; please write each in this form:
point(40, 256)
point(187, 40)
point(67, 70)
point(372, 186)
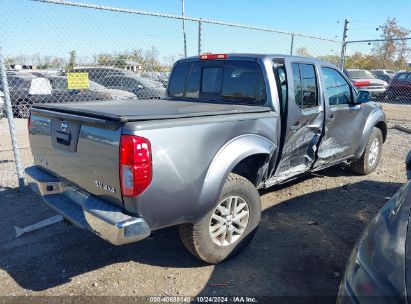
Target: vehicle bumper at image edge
point(87, 211)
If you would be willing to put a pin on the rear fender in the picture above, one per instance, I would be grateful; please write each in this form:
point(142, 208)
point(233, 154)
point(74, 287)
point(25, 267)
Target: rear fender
point(225, 160)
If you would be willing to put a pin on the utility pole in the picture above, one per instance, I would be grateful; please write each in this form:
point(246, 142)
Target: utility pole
point(184, 29)
point(344, 44)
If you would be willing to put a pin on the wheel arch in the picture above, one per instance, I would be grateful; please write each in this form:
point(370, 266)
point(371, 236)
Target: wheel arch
point(236, 156)
point(375, 120)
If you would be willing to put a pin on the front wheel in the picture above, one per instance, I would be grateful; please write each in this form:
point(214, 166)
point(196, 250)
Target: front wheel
point(229, 227)
point(371, 156)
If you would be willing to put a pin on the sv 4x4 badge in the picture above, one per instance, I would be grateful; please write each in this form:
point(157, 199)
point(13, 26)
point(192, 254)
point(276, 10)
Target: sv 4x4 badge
point(105, 187)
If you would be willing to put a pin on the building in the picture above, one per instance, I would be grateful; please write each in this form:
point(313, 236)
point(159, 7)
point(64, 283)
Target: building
point(133, 66)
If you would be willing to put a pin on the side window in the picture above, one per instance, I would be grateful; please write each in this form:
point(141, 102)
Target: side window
point(309, 86)
point(129, 82)
point(211, 80)
point(297, 84)
point(193, 81)
point(115, 81)
point(401, 76)
point(178, 79)
point(305, 85)
point(337, 89)
point(243, 81)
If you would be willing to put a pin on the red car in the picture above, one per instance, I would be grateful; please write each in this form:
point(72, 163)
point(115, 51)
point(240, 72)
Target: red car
point(400, 87)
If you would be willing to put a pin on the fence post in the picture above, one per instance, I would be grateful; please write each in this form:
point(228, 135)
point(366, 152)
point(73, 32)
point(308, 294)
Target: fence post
point(9, 110)
point(292, 44)
point(344, 44)
point(200, 29)
point(342, 59)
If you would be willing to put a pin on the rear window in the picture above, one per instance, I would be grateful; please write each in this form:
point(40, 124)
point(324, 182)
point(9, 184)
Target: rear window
point(222, 81)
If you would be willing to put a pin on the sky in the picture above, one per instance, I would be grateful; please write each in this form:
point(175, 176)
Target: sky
point(53, 30)
point(317, 17)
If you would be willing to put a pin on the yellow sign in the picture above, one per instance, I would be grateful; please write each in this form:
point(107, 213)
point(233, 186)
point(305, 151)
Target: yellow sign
point(77, 81)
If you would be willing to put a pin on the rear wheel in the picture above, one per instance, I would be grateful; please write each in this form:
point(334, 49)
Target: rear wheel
point(371, 156)
point(229, 227)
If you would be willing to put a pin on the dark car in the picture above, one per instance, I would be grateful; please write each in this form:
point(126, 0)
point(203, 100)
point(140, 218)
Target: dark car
point(379, 268)
point(400, 87)
point(95, 91)
point(385, 75)
point(143, 88)
point(26, 89)
point(120, 79)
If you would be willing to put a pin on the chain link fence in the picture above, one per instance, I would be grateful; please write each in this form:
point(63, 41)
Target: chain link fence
point(59, 51)
point(380, 67)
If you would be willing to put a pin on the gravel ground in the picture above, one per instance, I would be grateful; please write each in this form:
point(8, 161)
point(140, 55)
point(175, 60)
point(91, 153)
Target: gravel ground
point(307, 231)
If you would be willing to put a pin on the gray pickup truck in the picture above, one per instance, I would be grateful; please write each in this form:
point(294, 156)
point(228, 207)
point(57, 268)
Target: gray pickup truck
point(231, 124)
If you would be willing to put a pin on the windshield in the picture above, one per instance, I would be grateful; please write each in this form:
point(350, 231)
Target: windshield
point(360, 74)
point(229, 81)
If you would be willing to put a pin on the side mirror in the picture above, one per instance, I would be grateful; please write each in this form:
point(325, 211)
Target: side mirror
point(363, 97)
point(408, 165)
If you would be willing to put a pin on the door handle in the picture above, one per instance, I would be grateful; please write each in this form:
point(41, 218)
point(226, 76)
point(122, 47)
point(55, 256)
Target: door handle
point(356, 107)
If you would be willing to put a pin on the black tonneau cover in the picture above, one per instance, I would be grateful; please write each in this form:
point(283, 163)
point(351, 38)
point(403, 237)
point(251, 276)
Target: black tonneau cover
point(137, 110)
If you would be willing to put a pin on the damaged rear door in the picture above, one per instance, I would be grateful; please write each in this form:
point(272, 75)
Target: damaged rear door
point(304, 121)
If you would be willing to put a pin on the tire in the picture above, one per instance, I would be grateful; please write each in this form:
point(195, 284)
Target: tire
point(370, 158)
point(197, 237)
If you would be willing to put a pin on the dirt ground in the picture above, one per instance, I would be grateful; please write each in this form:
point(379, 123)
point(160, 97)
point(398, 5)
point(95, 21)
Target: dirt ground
point(307, 231)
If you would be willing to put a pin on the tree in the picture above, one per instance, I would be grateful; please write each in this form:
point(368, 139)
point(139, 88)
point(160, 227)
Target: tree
point(72, 60)
point(391, 52)
point(334, 59)
point(151, 62)
point(104, 59)
point(302, 51)
point(120, 61)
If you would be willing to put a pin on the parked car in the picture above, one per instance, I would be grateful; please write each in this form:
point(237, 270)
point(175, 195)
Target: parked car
point(400, 87)
point(385, 75)
point(378, 270)
point(231, 124)
point(97, 73)
point(26, 89)
point(95, 91)
point(364, 80)
point(120, 79)
point(157, 76)
point(143, 88)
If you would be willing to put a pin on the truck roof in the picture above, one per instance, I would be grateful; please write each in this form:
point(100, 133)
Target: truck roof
point(255, 56)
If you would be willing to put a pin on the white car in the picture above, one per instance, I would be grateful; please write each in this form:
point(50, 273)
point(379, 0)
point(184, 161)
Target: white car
point(364, 80)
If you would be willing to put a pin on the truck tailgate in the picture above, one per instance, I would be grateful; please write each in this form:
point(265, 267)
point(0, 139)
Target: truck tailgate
point(80, 150)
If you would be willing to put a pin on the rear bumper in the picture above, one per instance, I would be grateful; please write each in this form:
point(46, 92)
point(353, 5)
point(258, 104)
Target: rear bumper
point(87, 211)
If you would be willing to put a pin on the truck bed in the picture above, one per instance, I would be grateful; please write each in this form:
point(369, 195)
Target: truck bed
point(138, 110)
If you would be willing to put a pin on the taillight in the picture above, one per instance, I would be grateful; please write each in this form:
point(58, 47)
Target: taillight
point(135, 164)
point(213, 56)
point(360, 84)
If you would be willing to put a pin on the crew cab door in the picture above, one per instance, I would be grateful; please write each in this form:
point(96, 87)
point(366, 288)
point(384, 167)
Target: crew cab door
point(304, 117)
point(344, 120)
